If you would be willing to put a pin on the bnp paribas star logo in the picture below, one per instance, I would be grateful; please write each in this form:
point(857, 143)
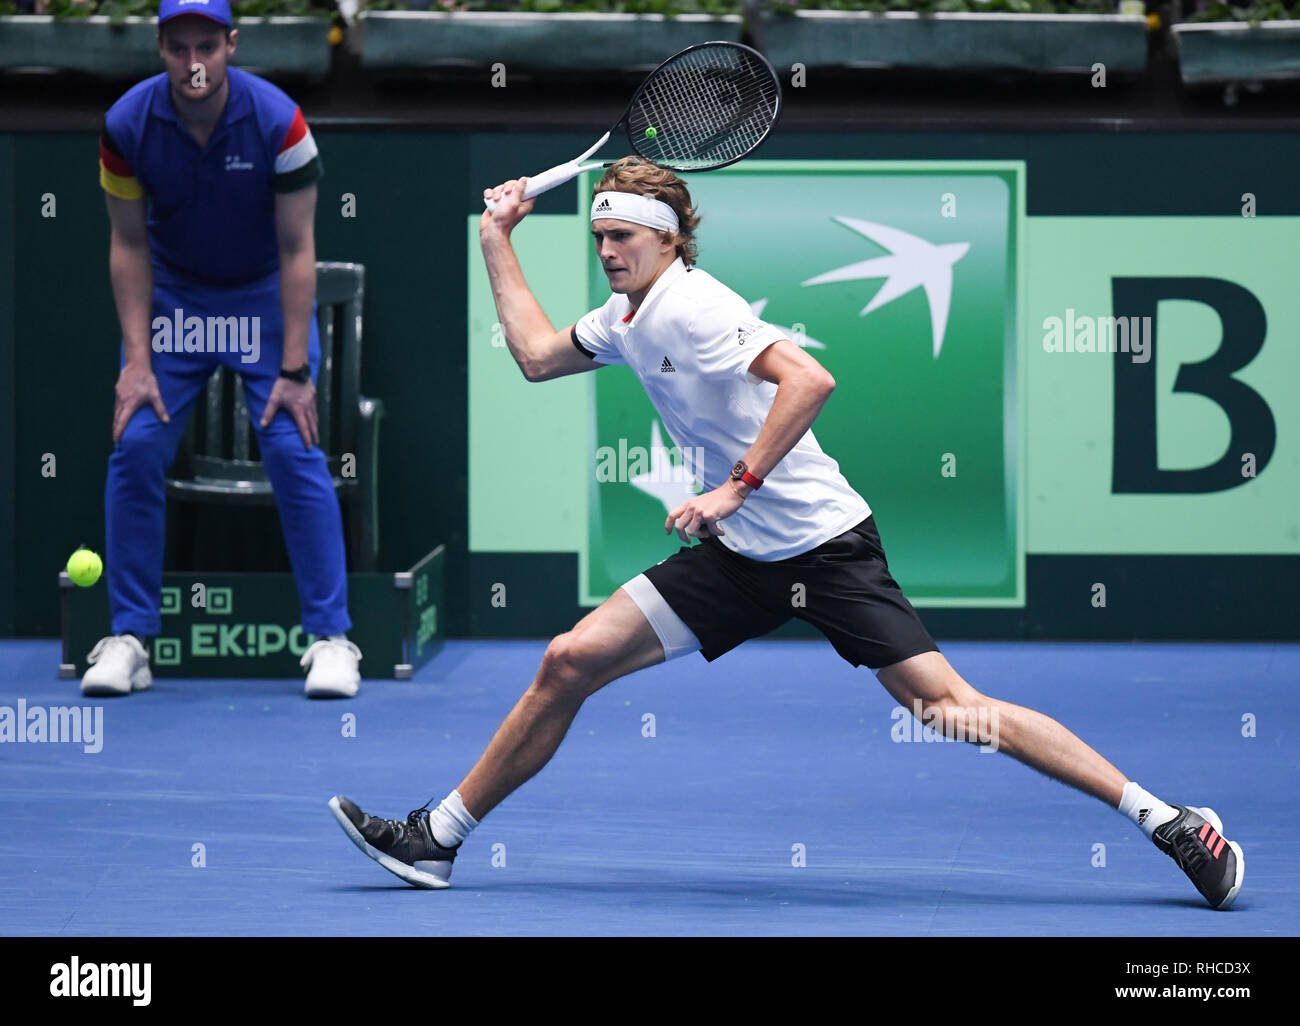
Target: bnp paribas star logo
point(913, 262)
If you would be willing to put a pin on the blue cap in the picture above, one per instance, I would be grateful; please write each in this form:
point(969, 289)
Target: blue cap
point(216, 10)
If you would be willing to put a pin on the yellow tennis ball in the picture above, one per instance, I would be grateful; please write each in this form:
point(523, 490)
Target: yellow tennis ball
point(84, 567)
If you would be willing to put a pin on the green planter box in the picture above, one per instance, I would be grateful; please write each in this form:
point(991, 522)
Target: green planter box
point(246, 624)
point(536, 42)
point(956, 42)
point(1236, 51)
point(288, 46)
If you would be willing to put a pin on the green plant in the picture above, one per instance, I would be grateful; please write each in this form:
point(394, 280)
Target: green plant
point(951, 6)
point(118, 11)
point(1257, 11)
point(67, 10)
point(669, 8)
point(278, 9)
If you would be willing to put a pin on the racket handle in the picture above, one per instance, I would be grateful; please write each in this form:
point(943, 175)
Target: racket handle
point(544, 182)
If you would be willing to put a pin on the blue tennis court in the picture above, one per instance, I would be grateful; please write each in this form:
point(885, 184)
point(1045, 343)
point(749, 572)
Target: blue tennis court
point(778, 754)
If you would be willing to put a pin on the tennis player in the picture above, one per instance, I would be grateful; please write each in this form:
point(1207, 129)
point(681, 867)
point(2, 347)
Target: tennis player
point(775, 513)
point(210, 177)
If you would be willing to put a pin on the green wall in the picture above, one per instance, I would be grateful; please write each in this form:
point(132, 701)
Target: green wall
point(8, 412)
point(414, 190)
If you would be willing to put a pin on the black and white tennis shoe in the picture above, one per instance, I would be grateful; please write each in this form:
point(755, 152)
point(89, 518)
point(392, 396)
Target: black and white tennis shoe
point(406, 848)
point(1194, 839)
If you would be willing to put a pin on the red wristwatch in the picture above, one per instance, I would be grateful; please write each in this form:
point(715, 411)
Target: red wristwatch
point(740, 472)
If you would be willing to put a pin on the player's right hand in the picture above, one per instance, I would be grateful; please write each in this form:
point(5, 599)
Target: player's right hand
point(136, 386)
point(509, 211)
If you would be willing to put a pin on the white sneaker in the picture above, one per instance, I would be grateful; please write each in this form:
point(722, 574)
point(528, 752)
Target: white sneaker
point(334, 672)
point(119, 665)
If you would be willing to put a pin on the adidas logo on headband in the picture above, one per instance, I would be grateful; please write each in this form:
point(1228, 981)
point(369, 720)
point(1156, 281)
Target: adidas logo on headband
point(603, 204)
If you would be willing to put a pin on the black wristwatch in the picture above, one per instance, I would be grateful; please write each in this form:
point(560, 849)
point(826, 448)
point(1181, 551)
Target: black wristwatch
point(302, 375)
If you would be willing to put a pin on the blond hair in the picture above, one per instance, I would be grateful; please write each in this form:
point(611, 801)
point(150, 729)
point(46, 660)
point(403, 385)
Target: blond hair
point(642, 178)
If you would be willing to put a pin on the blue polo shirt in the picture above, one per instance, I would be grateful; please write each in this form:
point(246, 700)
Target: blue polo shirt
point(211, 210)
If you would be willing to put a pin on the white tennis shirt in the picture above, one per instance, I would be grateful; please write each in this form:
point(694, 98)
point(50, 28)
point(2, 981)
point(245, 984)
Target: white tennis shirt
point(690, 344)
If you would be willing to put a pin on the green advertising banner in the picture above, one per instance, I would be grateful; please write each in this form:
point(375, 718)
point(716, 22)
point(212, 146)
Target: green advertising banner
point(902, 280)
point(1175, 431)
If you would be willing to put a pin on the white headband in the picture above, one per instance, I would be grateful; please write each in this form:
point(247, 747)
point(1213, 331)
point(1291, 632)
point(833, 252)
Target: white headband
point(629, 206)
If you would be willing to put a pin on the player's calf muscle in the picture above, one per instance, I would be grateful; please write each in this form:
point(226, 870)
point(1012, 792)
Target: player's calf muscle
point(1025, 735)
point(522, 745)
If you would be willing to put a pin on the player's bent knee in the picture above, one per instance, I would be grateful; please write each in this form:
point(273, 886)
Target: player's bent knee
point(566, 667)
point(972, 718)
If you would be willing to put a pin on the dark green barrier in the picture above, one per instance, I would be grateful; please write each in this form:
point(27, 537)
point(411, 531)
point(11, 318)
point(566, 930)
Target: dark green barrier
point(243, 625)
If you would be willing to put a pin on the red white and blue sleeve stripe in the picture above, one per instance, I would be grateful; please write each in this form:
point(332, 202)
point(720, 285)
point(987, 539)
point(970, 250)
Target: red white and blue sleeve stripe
point(298, 164)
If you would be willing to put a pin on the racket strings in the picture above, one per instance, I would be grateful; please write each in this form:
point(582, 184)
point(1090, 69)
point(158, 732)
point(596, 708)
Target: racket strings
point(709, 107)
point(713, 113)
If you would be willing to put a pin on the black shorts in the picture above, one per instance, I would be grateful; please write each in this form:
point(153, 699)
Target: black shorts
point(843, 588)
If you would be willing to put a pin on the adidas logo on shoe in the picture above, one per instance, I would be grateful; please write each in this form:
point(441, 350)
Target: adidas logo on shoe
point(667, 367)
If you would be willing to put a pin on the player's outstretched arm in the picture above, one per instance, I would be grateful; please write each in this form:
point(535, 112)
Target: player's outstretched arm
point(541, 352)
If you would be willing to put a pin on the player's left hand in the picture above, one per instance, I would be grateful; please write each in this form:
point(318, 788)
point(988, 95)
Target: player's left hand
point(510, 208)
point(698, 517)
point(299, 401)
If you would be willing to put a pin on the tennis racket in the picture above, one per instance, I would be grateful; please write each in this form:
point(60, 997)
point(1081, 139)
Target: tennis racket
point(703, 108)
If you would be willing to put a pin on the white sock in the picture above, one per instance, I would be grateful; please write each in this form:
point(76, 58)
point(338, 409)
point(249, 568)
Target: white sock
point(1144, 808)
point(450, 823)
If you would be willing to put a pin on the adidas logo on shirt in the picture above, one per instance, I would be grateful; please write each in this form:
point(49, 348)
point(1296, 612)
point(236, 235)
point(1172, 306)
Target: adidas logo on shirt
point(667, 367)
point(604, 204)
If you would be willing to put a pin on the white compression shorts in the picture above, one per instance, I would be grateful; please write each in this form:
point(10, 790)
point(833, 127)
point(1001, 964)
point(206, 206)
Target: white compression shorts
point(676, 638)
